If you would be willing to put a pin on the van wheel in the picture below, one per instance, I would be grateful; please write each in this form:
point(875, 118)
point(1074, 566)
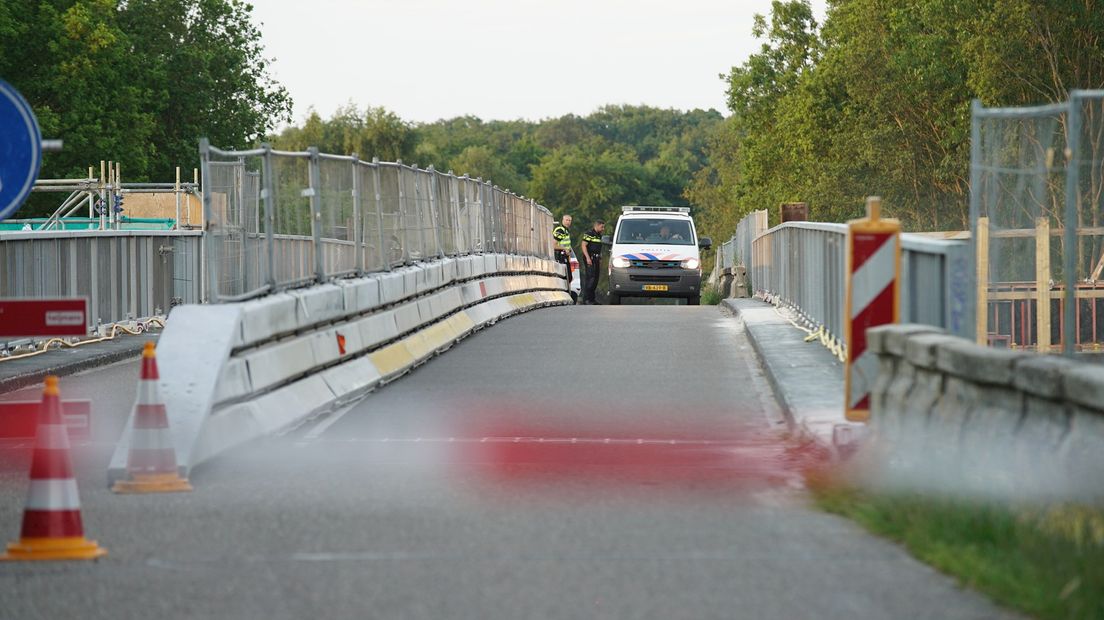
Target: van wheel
point(614, 299)
point(574, 296)
point(693, 301)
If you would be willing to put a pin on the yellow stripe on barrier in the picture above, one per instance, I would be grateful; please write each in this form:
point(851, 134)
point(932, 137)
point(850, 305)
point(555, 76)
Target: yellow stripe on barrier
point(461, 323)
point(392, 358)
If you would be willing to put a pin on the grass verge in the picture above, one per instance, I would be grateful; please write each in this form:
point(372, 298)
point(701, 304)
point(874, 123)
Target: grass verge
point(1047, 562)
point(711, 295)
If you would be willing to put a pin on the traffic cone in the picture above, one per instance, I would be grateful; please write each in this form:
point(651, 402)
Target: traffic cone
point(151, 463)
point(52, 528)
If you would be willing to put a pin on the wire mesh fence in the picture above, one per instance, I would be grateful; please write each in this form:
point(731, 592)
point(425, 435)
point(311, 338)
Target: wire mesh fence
point(1036, 179)
point(278, 220)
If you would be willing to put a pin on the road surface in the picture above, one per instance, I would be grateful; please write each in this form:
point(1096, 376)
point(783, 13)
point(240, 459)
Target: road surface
point(580, 462)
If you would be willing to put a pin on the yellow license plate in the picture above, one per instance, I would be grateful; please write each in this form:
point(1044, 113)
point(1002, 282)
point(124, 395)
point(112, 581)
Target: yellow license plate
point(655, 287)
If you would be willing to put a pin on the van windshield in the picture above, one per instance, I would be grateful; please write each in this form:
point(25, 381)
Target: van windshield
point(655, 230)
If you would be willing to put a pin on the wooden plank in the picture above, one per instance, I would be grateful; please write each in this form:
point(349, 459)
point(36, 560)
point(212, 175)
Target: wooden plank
point(982, 246)
point(1025, 233)
point(1055, 294)
point(1042, 283)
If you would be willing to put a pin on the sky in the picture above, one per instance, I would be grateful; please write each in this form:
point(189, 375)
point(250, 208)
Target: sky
point(506, 59)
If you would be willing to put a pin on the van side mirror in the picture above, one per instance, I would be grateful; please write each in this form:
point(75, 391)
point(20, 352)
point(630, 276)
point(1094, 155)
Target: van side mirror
point(705, 243)
point(606, 240)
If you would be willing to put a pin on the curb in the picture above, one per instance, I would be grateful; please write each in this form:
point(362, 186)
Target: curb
point(818, 428)
point(784, 401)
point(62, 369)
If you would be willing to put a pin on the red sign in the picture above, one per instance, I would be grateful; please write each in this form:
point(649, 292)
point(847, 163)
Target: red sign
point(19, 419)
point(43, 317)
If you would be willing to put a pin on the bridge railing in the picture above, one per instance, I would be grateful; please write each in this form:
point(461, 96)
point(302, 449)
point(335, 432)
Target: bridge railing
point(278, 219)
point(802, 265)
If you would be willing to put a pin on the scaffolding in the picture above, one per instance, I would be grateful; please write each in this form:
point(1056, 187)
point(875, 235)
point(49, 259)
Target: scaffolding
point(103, 198)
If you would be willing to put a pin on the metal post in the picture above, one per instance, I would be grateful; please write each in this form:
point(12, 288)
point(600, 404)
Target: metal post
point(211, 259)
point(102, 192)
point(431, 184)
point(358, 237)
point(176, 194)
point(401, 228)
point(386, 260)
point(269, 196)
point(316, 214)
point(1073, 195)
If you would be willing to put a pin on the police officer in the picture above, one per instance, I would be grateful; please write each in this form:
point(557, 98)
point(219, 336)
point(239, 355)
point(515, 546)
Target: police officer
point(561, 234)
point(592, 254)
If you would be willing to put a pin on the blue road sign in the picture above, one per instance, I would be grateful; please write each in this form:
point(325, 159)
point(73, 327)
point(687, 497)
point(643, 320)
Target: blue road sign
point(20, 150)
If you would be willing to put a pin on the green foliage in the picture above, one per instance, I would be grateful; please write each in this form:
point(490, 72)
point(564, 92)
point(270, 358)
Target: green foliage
point(1048, 562)
point(877, 101)
point(586, 166)
point(138, 81)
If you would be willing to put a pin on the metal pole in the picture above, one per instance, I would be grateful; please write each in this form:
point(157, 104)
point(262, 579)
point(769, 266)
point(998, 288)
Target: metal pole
point(386, 260)
point(212, 274)
point(316, 214)
point(431, 184)
point(400, 230)
point(269, 195)
point(176, 194)
point(102, 191)
point(358, 236)
point(1073, 195)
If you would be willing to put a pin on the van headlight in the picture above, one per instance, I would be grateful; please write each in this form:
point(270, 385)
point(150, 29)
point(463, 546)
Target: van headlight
point(691, 263)
point(620, 262)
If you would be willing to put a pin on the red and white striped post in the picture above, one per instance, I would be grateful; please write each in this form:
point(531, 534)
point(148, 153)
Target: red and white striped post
point(52, 526)
point(872, 299)
point(151, 463)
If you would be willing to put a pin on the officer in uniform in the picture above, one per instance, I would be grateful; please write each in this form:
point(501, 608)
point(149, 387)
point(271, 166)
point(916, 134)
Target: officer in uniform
point(561, 234)
point(592, 253)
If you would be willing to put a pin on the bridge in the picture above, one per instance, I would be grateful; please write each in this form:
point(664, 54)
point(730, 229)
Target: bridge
point(389, 406)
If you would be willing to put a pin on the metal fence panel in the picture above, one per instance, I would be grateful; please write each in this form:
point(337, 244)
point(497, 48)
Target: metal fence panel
point(278, 220)
point(124, 274)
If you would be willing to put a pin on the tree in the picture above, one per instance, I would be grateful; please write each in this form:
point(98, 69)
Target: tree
point(204, 63)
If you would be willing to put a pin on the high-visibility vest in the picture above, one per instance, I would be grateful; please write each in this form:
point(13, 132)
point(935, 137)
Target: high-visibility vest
point(562, 237)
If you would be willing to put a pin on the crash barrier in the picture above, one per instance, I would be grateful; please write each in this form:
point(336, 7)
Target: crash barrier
point(951, 415)
point(278, 220)
point(232, 372)
point(733, 258)
point(802, 265)
point(125, 274)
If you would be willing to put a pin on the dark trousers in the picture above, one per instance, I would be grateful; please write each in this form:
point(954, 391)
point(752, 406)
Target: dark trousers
point(590, 283)
point(562, 257)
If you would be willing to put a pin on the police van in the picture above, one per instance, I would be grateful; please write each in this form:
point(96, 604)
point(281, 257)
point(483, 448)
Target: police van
point(655, 253)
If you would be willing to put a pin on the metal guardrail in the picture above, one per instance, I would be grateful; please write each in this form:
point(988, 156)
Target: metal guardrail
point(737, 250)
point(125, 274)
point(802, 264)
point(280, 219)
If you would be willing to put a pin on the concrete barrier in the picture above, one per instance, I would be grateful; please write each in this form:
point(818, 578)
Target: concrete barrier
point(948, 414)
point(234, 372)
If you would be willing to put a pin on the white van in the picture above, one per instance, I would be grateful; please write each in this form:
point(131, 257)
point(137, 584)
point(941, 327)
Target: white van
point(655, 253)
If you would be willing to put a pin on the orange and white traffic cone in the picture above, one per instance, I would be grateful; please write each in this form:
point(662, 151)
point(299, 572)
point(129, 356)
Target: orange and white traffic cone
point(151, 464)
point(52, 528)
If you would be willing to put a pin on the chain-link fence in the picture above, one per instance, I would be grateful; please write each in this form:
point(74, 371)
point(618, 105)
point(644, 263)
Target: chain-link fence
point(279, 219)
point(1037, 175)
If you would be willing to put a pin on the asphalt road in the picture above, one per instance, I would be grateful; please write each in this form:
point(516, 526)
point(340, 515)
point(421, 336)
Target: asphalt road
point(580, 462)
